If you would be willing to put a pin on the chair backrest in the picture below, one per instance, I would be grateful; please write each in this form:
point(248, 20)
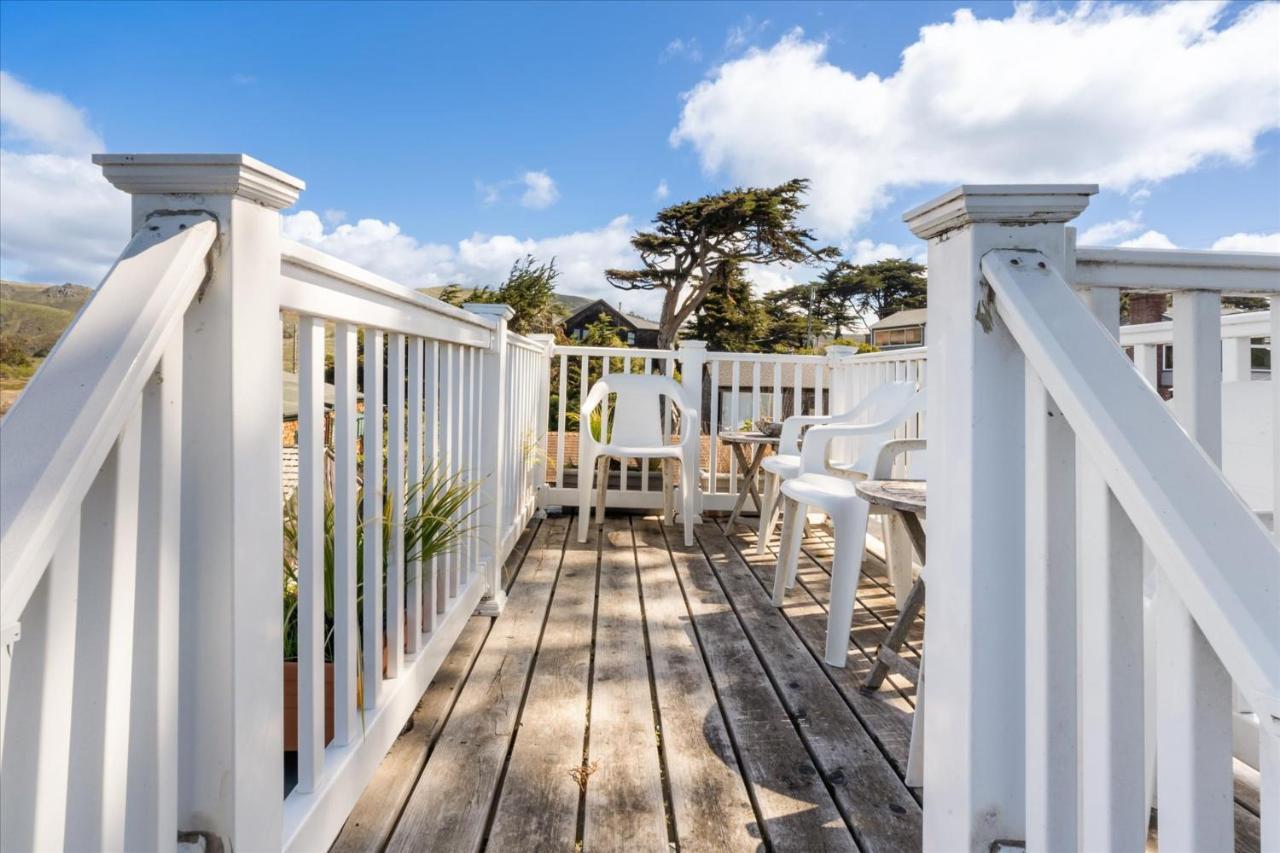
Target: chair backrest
point(891, 403)
point(637, 410)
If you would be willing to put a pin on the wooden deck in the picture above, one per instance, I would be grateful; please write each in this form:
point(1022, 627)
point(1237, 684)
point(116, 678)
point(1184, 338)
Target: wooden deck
point(636, 694)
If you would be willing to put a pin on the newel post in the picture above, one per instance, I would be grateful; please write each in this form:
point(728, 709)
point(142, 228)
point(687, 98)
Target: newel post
point(494, 435)
point(231, 682)
point(974, 723)
point(693, 358)
point(548, 342)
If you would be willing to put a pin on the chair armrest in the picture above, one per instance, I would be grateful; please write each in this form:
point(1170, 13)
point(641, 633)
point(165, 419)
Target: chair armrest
point(789, 442)
point(890, 451)
point(813, 458)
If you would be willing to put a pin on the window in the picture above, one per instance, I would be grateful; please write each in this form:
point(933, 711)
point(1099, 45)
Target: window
point(631, 339)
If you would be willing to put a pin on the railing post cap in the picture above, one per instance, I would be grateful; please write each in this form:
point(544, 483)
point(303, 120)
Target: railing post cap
point(545, 338)
point(490, 309)
point(1004, 204)
point(201, 174)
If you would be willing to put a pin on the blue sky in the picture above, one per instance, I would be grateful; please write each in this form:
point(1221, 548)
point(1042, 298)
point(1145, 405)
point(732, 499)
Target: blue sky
point(484, 130)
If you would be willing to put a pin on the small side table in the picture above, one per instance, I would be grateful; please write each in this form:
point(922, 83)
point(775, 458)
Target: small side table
point(907, 498)
point(740, 441)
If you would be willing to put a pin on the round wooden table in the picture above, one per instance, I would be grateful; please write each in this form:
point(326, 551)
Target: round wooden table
point(908, 499)
point(740, 441)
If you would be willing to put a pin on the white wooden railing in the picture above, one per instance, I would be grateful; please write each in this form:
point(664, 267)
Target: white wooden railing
point(141, 524)
point(1057, 690)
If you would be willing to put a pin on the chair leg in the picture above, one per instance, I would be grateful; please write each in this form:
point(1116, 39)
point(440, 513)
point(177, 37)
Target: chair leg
point(914, 777)
point(602, 485)
point(846, 564)
point(689, 495)
point(767, 499)
point(668, 495)
point(585, 470)
point(788, 550)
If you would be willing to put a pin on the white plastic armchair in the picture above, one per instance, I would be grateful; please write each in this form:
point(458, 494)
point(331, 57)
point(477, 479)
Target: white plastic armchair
point(785, 464)
point(636, 433)
point(888, 406)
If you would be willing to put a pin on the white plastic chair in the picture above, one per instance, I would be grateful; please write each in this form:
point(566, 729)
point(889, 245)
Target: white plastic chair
point(785, 464)
point(636, 433)
point(886, 408)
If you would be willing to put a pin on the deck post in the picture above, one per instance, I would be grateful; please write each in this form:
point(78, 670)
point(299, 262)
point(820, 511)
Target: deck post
point(548, 342)
point(693, 357)
point(495, 381)
point(230, 716)
point(974, 726)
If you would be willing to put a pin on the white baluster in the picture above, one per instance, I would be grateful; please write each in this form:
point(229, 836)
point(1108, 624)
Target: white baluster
point(372, 519)
point(346, 726)
point(413, 567)
point(310, 556)
point(396, 502)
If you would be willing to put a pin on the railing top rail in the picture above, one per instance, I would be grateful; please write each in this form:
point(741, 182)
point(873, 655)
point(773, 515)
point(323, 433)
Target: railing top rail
point(903, 354)
point(614, 352)
point(516, 339)
point(780, 357)
point(88, 387)
point(322, 263)
point(1177, 269)
point(1220, 560)
point(1247, 324)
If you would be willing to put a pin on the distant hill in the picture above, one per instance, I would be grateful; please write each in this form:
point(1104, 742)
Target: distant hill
point(570, 302)
point(34, 316)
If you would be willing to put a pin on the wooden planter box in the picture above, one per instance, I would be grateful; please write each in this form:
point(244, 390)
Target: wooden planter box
point(291, 705)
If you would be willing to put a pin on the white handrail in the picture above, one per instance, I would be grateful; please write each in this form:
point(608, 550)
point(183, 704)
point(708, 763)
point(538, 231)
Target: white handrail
point(61, 428)
point(1175, 269)
point(1218, 557)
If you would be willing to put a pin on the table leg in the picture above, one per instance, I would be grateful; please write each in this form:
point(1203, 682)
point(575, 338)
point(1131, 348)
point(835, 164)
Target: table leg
point(887, 656)
point(748, 483)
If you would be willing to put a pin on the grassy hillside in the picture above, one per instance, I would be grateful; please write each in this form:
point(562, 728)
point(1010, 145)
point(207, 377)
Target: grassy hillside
point(66, 296)
point(34, 316)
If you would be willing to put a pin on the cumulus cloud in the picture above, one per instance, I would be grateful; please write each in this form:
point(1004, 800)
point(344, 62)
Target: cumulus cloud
point(384, 248)
point(539, 190)
point(1150, 239)
point(1165, 89)
point(1248, 243)
point(61, 221)
point(1106, 232)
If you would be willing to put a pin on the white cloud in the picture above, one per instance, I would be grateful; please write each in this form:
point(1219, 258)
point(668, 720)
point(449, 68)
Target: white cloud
point(996, 100)
point(744, 33)
point(335, 217)
point(1140, 196)
point(1106, 232)
point(681, 49)
point(1243, 242)
point(44, 121)
point(1149, 240)
point(60, 221)
point(382, 247)
point(539, 190)
point(661, 191)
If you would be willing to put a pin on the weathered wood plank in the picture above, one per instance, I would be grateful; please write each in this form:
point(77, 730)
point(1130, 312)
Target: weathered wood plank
point(518, 551)
point(796, 807)
point(624, 802)
point(884, 714)
point(873, 799)
point(709, 799)
point(374, 817)
point(538, 806)
point(449, 807)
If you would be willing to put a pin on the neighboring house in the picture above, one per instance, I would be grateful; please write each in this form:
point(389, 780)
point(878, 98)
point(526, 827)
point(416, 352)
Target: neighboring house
point(903, 329)
point(743, 394)
point(635, 331)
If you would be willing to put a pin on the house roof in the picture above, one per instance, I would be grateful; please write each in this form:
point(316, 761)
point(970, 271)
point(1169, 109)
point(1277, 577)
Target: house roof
point(589, 312)
point(289, 388)
point(903, 319)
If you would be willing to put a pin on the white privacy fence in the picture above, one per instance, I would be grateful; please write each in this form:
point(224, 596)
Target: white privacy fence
point(1065, 689)
point(144, 689)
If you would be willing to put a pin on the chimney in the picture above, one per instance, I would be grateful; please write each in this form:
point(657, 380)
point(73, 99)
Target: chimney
point(1147, 307)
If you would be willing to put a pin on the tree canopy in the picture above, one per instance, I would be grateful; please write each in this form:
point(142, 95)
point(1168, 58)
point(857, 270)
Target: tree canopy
point(686, 252)
point(530, 291)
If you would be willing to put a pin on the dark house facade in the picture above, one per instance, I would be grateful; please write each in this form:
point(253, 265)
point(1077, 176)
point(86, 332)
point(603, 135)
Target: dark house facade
point(636, 331)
